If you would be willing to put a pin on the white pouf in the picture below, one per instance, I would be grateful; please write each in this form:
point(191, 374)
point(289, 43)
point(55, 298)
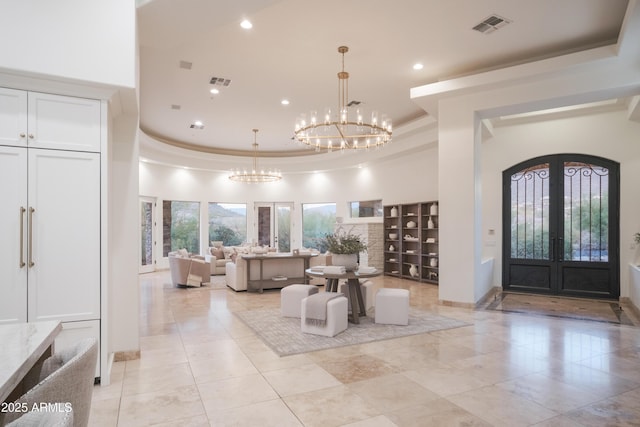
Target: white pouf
point(291, 298)
point(336, 319)
point(368, 292)
point(392, 306)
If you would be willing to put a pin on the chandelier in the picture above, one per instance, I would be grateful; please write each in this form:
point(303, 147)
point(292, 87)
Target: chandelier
point(255, 175)
point(340, 129)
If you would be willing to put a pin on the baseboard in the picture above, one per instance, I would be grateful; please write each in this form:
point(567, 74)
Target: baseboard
point(629, 305)
point(456, 304)
point(123, 356)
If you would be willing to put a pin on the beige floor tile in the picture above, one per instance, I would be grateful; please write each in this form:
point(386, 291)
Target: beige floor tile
point(234, 393)
point(161, 406)
point(445, 380)
point(104, 412)
point(439, 412)
point(357, 368)
point(379, 421)
point(267, 360)
point(300, 379)
point(392, 392)
point(334, 406)
point(272, 413)
point(157, 379)
point(500, 407)
point(551, 394)
point(155, 358)
point(221, 367)
point(197, 421)
point(607, 412)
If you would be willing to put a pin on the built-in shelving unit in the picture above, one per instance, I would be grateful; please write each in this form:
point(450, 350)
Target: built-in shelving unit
point(411, 241)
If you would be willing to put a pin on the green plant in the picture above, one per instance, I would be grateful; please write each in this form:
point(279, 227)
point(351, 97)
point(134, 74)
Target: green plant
point(636, 237)
point(344, 243)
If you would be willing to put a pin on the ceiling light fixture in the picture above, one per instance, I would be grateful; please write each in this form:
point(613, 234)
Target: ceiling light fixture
point(418, 66)
point(255, 175)
point(337, 130)
point(246, 24)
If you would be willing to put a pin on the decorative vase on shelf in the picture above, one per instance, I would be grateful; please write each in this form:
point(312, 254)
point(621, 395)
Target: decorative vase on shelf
point(433, 262)
point(433, 210)
point(392, 248)
point(413, 270)
point(430, 223)
point(394, 211)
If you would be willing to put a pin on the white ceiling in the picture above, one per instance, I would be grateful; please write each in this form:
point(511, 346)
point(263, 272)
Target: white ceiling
point(291, 52)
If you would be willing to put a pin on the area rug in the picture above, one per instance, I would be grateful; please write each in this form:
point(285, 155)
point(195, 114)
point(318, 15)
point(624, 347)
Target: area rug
point(570, 308)
point(283, 335)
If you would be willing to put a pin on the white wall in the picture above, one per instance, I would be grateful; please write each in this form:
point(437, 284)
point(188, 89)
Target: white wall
point(610, 135)
point(405, 179)
point(88, 41)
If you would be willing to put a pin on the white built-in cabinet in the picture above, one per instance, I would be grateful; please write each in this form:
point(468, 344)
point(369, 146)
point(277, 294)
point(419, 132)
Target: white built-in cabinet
point(50, 225)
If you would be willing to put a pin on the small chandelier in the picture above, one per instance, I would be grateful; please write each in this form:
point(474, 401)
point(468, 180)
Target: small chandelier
point(255, 175)
point(340, 130)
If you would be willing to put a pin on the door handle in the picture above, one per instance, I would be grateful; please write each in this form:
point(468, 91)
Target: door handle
point(560, 249)
point(22, 211)
point(553, 249)
point(31, 263)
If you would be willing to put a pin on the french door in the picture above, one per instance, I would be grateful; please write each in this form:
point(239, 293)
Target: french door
point(147, 235)
point(560, 226)
point(273, 225)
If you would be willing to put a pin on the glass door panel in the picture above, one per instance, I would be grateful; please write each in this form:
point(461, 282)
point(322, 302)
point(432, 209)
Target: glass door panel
point(273, 225)
point(147, 240)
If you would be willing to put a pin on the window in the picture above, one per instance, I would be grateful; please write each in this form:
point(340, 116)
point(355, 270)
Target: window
point(228, 223)
point(366, 209)
point(180, 226)
point(318, 219)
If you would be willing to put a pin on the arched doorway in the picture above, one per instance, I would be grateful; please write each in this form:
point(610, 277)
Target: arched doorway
point(560, 226)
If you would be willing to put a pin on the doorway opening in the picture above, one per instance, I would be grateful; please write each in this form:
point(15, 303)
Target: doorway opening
point(561, 226)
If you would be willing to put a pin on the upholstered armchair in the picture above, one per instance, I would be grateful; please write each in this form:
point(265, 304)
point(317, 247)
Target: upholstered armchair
point(188, 271)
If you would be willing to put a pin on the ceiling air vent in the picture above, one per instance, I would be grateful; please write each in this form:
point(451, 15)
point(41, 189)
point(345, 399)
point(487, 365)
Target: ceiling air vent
point(220, 81)
point(186, 65)
point(492, 23)
point(175, 107)
point(196, 126)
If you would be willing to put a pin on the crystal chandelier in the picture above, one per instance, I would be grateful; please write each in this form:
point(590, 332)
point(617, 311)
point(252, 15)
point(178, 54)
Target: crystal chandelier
point(340, 129)
point(255, 175)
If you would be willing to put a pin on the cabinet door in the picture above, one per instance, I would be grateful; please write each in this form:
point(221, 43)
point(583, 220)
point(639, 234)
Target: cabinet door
point(13, 117)
point(64, 123)
point(13, 269)
point(64, 190)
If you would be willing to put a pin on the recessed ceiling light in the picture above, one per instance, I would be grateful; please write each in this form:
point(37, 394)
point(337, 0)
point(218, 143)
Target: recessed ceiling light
point(284, 102)
point(198, 123)
point(214, 91)
point(246, 24)
point(418, 66)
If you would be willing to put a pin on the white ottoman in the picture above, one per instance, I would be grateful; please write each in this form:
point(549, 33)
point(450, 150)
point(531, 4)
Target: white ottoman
point(291, 298)
point(368, 293)
point(392, 306)
point(336, 319)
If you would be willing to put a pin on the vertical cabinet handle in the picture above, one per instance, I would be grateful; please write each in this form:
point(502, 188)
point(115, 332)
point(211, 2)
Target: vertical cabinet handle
point(31, 263)
point(22, 211)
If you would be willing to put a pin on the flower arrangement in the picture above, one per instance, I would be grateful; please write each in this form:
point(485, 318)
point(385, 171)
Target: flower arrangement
point(344, 243)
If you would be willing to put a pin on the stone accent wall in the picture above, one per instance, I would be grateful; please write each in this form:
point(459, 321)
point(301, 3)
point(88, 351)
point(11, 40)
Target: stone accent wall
point(373, 235)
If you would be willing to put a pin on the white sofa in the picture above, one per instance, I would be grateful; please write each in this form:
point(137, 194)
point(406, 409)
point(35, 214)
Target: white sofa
point(236, 273)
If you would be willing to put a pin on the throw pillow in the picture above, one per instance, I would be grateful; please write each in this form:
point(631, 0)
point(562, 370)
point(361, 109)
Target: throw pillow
point(183, 253)
point(218, 253)
point(217, 244)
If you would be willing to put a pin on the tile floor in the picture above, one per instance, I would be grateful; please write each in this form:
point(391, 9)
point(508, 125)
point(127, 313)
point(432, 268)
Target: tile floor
point(201, 366)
